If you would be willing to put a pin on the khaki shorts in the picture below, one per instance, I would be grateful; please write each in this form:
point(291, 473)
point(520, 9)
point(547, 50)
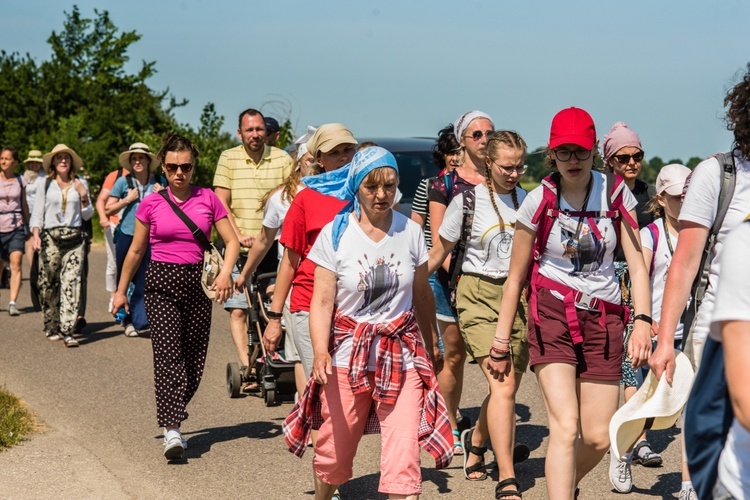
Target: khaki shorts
point(478, 301)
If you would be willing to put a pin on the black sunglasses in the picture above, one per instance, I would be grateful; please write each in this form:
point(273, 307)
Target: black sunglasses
point(172, 167)
point(625, 159)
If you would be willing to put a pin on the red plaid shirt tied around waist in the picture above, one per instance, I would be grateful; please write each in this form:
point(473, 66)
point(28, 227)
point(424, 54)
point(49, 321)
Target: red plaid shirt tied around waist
point(435, 434)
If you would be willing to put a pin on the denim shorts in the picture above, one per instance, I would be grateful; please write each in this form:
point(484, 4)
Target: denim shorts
point(238, 300)
point(443, 309)
point(12, 241)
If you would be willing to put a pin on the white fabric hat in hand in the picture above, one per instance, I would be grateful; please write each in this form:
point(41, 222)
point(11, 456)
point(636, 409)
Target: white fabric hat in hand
point(656, 405)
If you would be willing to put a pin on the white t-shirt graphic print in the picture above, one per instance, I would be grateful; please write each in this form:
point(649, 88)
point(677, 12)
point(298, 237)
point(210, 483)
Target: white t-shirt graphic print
point(374, 280)
point(591, 269)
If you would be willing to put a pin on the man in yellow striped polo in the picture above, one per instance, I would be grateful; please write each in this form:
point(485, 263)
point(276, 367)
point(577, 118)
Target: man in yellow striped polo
point(244, 174)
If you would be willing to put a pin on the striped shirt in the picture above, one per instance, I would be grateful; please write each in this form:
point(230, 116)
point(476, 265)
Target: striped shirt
point(249, 182)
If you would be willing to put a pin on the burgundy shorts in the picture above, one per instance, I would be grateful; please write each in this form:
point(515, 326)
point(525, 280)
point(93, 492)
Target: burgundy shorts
point(598, 357)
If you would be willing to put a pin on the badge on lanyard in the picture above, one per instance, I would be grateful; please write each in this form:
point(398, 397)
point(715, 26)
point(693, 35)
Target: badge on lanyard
point(60, 217)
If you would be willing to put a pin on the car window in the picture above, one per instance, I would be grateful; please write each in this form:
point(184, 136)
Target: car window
point(413, 167)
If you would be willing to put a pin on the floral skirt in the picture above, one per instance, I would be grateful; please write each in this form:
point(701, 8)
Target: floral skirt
point(623, 276)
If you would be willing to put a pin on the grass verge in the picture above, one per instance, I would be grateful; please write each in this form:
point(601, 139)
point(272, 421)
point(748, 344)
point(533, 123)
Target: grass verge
point(16, 420)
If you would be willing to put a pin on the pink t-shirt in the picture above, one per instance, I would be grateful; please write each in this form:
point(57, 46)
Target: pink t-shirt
point(10, 204)
point(171, 240)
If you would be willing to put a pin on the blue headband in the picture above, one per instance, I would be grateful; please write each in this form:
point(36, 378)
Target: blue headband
point(344, 184)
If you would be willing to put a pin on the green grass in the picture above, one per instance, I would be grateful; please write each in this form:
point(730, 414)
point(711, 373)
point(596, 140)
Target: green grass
point(529, 185)
point(98, 236)
point(16, 421)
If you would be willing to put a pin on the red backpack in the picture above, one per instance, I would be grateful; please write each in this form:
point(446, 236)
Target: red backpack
point(548, 211)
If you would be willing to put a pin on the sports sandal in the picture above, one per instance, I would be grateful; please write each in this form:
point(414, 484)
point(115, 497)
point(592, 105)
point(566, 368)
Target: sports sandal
point(501, 493)
point(478, 451)
point(69, 341)
point(645, 456)
point(458, 448)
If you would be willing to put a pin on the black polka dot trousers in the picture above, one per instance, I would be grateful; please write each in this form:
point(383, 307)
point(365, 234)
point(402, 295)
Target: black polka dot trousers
point(179, 314)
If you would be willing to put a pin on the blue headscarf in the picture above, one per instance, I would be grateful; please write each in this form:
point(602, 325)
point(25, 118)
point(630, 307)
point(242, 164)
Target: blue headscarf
point(344, 184)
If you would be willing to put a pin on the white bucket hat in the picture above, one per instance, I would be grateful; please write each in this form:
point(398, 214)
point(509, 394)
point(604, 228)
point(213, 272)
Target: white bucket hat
point(656, 405)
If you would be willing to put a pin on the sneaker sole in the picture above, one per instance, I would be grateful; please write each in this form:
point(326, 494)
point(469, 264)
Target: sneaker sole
point(654, 462)
point(174, 452)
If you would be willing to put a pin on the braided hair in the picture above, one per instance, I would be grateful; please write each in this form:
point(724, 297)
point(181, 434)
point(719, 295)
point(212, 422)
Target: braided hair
point(512, 140)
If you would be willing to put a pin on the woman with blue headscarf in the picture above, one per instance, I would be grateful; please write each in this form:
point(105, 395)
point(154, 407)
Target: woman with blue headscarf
point(371, 368)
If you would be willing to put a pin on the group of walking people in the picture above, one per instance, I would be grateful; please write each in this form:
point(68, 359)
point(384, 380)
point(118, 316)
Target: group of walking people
point(570, 279)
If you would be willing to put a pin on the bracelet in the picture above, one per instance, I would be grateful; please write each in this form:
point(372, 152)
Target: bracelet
point(502, 341)
point(274, 315)
point(643, 317)
point(500, 358)
point(501, 352)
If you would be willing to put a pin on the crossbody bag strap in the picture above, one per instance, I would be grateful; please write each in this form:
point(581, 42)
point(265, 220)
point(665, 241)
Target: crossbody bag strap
point(194, 229)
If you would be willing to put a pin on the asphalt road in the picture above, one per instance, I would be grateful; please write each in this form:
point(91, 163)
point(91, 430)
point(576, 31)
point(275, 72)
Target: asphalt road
point(101, 439)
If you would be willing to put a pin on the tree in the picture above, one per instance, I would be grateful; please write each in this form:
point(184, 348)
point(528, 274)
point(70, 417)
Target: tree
point(83, 97)
point(693, 162)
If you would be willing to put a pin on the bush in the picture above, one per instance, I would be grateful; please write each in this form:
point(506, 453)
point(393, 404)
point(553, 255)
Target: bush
point(16, 421)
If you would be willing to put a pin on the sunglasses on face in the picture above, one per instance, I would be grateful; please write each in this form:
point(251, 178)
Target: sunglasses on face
point(625, 159)
point(172, 167)
point(565, 154)
point(478, 134)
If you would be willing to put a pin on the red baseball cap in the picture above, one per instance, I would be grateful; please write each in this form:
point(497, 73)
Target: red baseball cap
point(572, 126)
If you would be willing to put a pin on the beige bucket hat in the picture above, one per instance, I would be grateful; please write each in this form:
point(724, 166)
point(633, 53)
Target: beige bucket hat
point(138, 147)
point(62, 148)
point(34, 156)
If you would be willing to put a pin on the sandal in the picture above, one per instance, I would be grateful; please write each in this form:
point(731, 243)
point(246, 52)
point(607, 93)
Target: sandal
point(645, 456)
point(501, 493)
point(458, 448)
point(69, 341)
point(475, 450)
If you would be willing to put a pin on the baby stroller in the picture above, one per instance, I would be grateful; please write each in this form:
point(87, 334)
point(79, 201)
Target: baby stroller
point(274, 374)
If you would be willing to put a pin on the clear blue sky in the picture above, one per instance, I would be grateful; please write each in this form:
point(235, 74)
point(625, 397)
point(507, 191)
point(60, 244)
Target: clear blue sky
point(407, 68)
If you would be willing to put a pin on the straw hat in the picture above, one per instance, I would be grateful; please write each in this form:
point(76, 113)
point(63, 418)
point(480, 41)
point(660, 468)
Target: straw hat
point(138, 147)
point(655, 406)
point(34, 156)
point(62, 148)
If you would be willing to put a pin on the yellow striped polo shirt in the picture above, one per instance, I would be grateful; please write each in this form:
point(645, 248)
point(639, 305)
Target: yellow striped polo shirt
point(249, 182)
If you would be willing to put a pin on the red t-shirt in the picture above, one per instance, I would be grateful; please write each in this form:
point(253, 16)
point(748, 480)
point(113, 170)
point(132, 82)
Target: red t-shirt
point(307, 215)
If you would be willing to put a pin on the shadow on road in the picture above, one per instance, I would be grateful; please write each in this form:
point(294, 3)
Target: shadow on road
point(201, 441)
point(367, 486)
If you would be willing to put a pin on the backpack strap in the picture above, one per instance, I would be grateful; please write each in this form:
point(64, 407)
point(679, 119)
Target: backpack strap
point(450, 182)
point(653, 229)
point(129, 180)
point(47, 182)
point(469, 203)
point(700, 284)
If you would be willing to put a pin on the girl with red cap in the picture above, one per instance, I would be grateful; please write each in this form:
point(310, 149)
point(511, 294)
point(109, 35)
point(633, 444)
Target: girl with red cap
point(571, 225)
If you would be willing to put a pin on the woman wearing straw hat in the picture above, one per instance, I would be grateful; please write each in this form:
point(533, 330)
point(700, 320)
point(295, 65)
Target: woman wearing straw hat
point(14, 216)
point(60, 207)
point(124, 198)
point(33, 166)
point(371, 368)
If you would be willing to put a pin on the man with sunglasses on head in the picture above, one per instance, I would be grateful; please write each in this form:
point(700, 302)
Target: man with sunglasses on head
point(244, 174)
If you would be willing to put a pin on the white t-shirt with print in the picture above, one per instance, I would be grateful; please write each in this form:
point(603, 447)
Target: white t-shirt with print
point(275, 213)
point(661, 261)
point(733, 304)
point(591, 270)
point(373, 279)
point(700, 206)
point(488, 249)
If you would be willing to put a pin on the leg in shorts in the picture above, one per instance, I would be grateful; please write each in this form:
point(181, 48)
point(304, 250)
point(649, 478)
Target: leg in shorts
point(300, 323)
point(477, 302)
point(598, 357)
point(290, 350)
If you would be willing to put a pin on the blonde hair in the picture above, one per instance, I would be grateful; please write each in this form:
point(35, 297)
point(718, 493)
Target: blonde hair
point(512, 140)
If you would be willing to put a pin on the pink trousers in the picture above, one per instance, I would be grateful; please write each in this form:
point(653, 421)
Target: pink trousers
point(344, 417)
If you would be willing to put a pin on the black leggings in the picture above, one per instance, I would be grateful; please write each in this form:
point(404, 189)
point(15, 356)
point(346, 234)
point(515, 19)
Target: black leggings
point(179, 314)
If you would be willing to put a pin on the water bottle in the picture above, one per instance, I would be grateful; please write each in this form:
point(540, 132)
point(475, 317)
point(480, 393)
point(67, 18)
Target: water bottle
point(121, 313)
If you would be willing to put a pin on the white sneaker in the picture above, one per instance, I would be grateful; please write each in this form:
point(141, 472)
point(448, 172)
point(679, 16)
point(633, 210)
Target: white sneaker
point(130, 330)
point(173, 447)
point(688, 494)
point(619, 474)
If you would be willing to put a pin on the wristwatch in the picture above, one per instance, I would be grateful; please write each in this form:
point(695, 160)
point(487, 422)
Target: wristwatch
point(644, 317)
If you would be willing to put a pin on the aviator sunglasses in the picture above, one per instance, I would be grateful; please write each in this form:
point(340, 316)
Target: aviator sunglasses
point(478, 134)
point(172, 167)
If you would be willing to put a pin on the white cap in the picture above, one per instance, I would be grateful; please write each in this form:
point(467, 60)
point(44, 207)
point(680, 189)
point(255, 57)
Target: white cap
point(672, 178)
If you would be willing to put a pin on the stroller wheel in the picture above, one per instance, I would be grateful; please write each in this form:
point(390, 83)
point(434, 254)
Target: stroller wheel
point(269, 397)
point(234, 380)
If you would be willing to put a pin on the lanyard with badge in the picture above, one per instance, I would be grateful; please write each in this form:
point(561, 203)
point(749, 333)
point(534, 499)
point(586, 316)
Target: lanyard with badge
point(573, 244)
point(61, 213)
